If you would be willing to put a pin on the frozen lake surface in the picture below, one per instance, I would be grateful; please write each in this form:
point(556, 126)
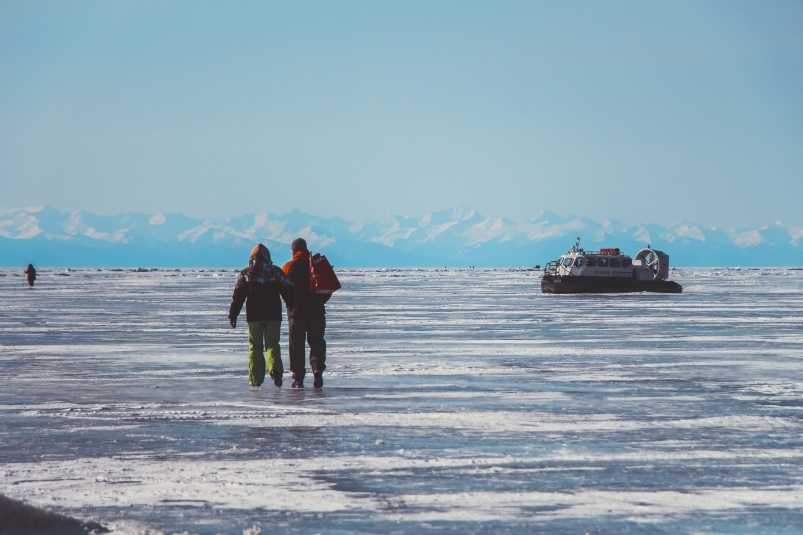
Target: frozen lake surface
point(455, 401)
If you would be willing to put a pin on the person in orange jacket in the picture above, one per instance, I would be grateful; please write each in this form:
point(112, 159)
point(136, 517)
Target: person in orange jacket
point(307, 319)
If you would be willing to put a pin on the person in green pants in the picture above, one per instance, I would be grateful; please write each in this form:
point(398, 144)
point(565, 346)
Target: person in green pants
point(259, 286)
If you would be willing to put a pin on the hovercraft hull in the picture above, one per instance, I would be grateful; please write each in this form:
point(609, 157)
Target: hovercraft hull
point(555, 284)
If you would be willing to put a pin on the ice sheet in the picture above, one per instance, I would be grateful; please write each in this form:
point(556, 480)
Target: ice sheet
point(460, 401)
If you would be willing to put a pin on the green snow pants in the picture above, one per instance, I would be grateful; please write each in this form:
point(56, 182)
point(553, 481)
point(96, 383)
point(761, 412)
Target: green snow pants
point(269, 331)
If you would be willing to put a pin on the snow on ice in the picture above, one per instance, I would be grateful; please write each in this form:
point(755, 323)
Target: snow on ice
point(455, 401)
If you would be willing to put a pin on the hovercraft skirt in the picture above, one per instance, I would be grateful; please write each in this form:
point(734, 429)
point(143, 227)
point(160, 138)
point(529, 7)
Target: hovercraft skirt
point(555, 284)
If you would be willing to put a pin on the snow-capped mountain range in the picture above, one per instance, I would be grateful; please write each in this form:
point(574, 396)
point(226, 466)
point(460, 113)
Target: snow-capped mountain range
point(458, 237)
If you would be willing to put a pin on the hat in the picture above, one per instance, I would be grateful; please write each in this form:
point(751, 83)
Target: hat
point(299, 244)
point(260, 250)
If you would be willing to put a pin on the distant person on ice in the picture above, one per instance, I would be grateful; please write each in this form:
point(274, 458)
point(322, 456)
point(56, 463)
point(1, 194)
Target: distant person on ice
point(259, 286)
point(31, 273)
point(307, 319)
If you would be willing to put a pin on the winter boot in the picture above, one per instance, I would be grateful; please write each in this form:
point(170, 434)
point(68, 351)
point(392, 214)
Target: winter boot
point(277, 378)
point(299, 381)
point(318, 382)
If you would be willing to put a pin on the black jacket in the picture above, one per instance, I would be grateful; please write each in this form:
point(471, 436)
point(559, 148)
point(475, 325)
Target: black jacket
point(260, 286)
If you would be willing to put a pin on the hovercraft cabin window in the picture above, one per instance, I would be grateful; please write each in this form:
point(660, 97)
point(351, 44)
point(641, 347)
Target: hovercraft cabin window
point(603, 262)
point(567, 262)
point(591, 262)
point(578, 262)
point(627, 262)
point(615, 262)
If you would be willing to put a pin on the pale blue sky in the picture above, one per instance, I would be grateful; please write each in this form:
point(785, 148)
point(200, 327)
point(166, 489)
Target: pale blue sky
point(639, 111)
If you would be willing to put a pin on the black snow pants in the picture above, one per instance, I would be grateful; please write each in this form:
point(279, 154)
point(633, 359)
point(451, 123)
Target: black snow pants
point(308, 323)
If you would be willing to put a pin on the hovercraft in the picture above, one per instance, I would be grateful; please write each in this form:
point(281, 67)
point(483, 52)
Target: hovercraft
point(608, 271)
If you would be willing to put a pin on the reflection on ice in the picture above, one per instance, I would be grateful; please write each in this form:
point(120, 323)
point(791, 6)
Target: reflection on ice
point(455, 400)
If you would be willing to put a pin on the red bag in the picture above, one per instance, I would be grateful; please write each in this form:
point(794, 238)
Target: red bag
point(322, 278)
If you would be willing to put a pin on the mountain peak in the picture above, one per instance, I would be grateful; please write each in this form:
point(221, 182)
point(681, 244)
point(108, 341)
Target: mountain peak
point(457, 235)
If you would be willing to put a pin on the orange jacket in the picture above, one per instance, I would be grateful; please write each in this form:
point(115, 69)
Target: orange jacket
point(298, 255)
point(297, 270)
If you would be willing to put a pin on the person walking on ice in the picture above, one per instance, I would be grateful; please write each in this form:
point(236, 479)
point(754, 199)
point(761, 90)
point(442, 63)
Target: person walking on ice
point(259, 287)
point(306, 318)
point(31, 273)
